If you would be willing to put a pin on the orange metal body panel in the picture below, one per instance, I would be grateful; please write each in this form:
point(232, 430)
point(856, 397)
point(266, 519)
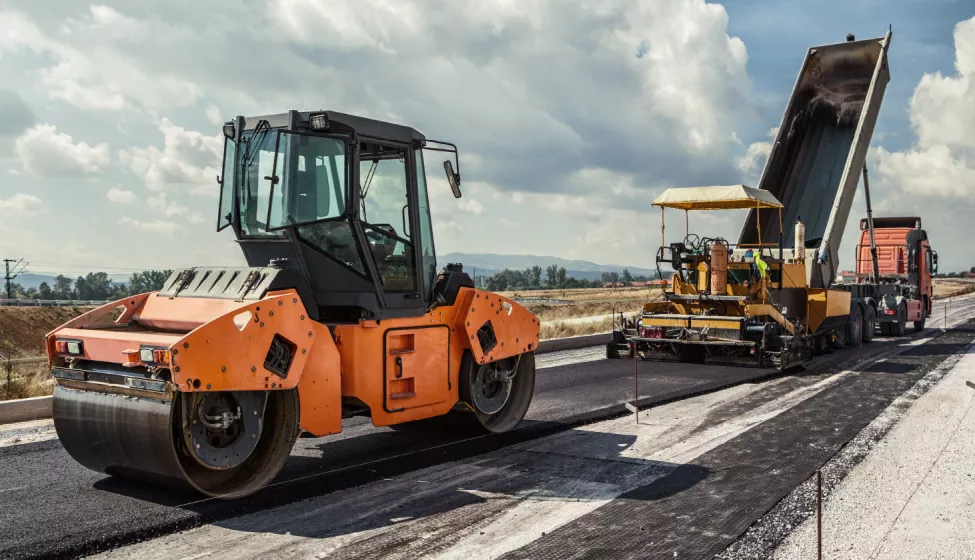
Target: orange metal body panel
point(110, 345)
point(224, 356)
point(514, 326)
point(184, 314)
point(430, 352)
point(320, 388)
point(430, 348)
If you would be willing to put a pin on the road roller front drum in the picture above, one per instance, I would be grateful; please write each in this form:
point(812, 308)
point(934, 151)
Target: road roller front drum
point(239, 443)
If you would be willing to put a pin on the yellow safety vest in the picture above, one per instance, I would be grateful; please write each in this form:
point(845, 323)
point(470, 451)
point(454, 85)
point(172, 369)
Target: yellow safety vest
point(762, 266)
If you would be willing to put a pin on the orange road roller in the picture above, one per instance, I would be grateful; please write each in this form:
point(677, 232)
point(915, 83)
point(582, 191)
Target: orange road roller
point(340, 312)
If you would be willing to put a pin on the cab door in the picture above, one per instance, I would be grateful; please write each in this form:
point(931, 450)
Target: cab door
point(386, 199)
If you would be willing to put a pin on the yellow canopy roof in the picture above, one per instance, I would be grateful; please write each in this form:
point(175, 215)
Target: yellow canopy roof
point(731, 197)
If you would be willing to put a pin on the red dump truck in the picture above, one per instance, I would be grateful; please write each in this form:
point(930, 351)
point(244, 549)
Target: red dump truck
point(893, 276)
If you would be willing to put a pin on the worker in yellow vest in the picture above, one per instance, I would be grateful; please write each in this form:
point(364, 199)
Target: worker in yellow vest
point(760, 264)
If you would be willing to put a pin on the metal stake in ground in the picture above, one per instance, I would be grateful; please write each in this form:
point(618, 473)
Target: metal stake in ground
point(819, 514)
point(636, 384)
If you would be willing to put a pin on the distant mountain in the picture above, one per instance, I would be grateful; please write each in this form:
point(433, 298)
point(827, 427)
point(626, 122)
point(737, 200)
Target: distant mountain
point(487, 263)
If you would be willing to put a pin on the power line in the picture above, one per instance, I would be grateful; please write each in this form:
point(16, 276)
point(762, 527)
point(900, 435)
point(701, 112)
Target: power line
point(19, 267)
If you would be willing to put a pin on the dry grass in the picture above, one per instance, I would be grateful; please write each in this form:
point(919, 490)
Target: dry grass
point(554, 312)
point(944, 288)
point(586, 294)
point(562, 330)
point(27, 380)
point(585, 302)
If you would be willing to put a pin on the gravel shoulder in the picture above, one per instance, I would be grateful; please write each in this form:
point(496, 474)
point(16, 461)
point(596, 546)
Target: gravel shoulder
point(913, 496)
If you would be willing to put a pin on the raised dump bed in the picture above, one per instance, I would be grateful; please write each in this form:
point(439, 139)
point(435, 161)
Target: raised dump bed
point(820, 149)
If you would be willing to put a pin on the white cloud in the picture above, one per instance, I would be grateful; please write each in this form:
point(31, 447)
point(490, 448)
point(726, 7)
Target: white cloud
point(20, 203)
point(120, 196)
point(154, 226)
point(45, 151)
point(942, 109)
point(664, 87)
point(470, 205)
point(752, 163)
point(64, 82)
point(213, 115)
point(94, 60)
point(933, 171)
point(188, 158)
point(161, 206)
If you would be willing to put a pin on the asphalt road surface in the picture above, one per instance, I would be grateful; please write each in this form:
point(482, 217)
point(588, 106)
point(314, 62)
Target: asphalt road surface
point(54, 507)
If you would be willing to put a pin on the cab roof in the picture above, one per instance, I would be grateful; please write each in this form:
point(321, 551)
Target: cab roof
point(341, 121)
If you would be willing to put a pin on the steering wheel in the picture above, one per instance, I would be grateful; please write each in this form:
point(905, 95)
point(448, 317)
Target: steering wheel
point(378, 237)
point(693, 242)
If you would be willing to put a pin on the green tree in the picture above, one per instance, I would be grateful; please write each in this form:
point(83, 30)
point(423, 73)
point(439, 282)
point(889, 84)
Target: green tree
point(551, 274)
point(44, 291)
point(536, 277)
point(147, 281)
point(498, 282)
point(63, 288)
point(561, 277)
point(626, 277)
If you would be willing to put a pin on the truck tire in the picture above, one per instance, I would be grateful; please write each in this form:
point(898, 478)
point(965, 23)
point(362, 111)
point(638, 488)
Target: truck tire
point(900, 327)
point(919, 324)
point(854, 332)
point(869, 324)
point(837, 338)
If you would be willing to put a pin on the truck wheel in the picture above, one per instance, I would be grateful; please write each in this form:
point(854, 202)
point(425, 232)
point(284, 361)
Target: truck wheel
point(854, 333)
point(919, 325)
point(869, 324)
point(837, 338)
point(900, 327)
point(820, 344)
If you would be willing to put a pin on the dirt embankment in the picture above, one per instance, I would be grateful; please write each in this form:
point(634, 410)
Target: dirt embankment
point(22, 329)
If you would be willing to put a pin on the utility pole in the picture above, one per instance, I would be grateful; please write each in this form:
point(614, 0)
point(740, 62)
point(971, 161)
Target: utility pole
point(19, 267)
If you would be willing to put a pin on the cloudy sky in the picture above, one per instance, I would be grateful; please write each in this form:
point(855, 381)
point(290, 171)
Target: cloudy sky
point(570, 116)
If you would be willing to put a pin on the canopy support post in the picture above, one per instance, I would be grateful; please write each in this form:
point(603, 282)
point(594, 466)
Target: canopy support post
point(758, 222)
point(780, 238)
point(663, 238)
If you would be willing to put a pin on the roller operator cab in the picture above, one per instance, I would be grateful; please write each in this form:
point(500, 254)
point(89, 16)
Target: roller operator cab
point(341, 312)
